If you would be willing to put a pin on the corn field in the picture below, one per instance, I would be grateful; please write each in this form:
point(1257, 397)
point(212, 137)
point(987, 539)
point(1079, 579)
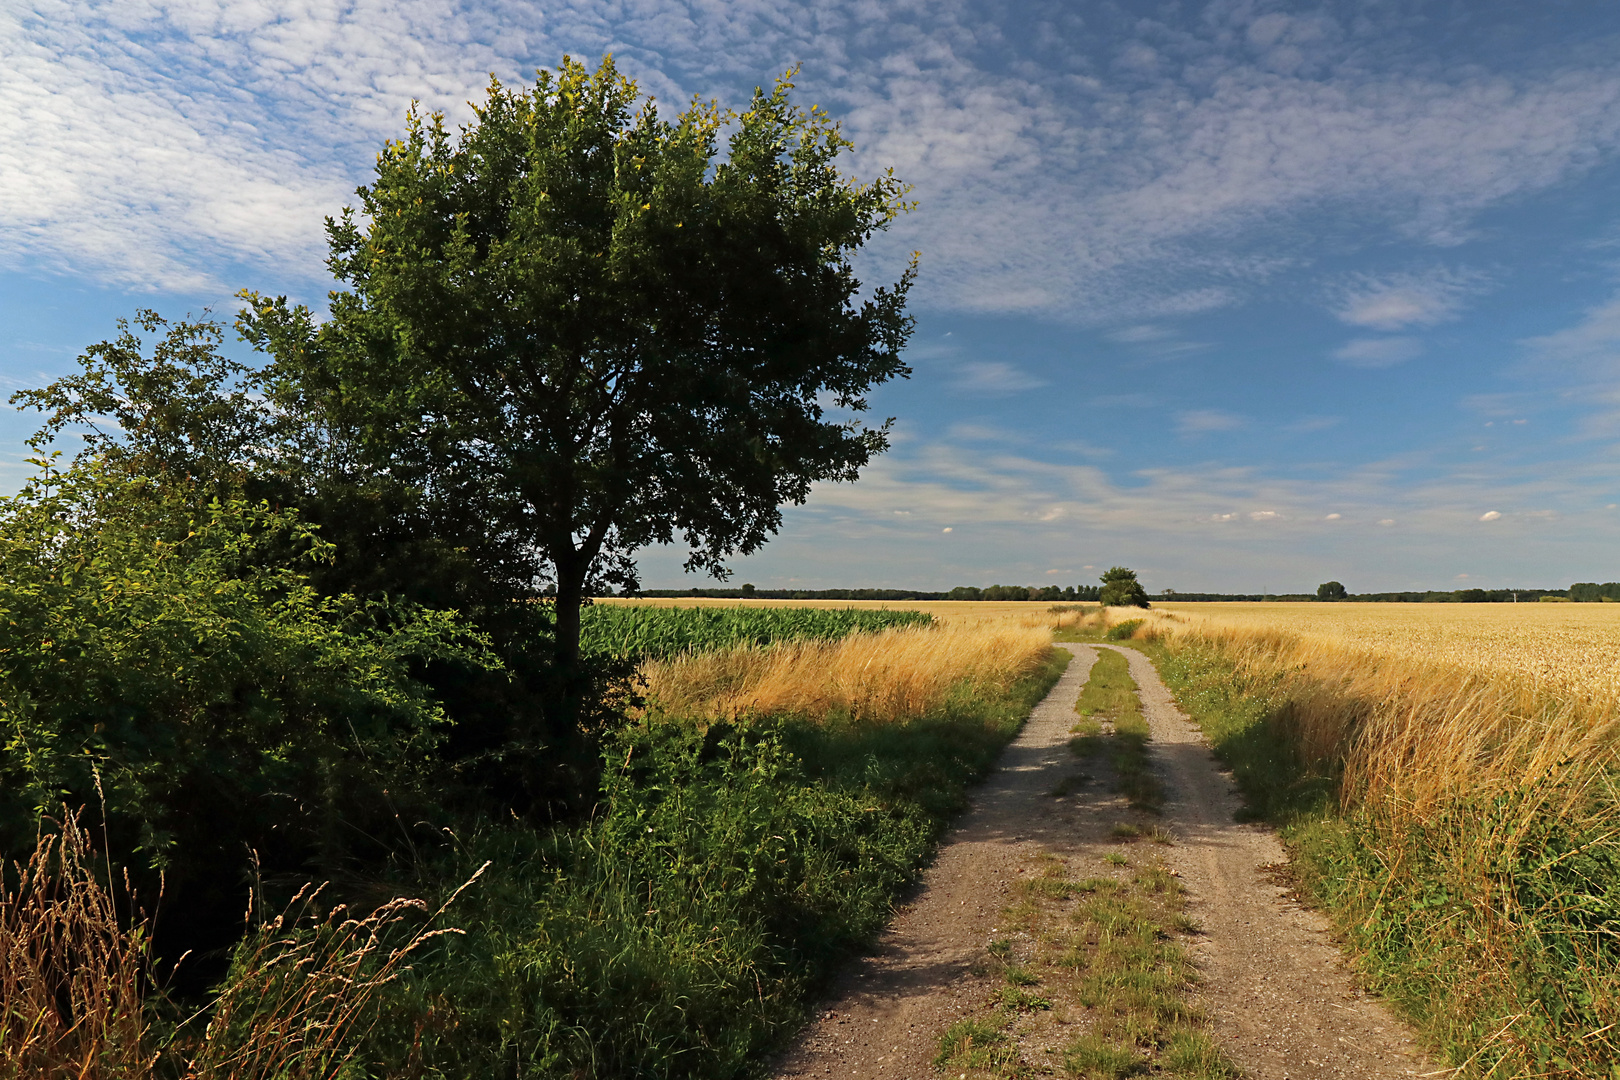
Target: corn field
point(657, 633)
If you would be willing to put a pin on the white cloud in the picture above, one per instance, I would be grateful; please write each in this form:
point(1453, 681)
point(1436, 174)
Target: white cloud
point(1203, 421)
point(1418, 512)
point(1403, 301)
point(992, 378)
point(1490, 515)
point(1136, 335)
point(1379, 352)
point(181, 144)
point(1589, 349)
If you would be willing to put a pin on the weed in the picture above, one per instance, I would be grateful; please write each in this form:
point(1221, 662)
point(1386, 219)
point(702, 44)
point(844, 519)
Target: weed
point(1019, 999)
point(1114, 858)
point(1018, 975)
point(1125, 832)
point(975, 1044)
point(1091, 1057)
point(1192, 1054)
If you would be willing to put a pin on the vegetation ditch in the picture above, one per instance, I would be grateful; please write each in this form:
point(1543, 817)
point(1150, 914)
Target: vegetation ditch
point(1461, 829)
point(734, 858)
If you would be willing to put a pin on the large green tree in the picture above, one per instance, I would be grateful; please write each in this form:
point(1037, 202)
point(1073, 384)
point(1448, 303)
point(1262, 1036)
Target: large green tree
point(579, 327)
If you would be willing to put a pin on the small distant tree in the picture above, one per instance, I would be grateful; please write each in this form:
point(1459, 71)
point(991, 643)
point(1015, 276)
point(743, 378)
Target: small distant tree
point(963, 592)
point(1331, 590)
point(1121, 589)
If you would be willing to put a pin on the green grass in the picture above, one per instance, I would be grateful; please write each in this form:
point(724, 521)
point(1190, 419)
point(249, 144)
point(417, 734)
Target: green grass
point(1111, 723)
point(1123, 631)
point(1115, 950)
point(683, 932)
point(979, 1045)
point(654, 632)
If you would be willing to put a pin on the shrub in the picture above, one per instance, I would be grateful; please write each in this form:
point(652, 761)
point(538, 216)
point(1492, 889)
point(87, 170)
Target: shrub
point(167, 661)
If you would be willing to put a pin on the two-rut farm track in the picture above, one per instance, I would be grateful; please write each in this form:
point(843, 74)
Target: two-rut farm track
point(1280, 1002)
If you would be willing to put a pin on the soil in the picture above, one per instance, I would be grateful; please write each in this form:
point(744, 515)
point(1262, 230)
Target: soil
point(1280, 1000)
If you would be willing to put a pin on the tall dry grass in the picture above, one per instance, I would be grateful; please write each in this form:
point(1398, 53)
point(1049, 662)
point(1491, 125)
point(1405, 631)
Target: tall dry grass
point(883, 677)
point(79, 992)
point(72, 977)
point(1417, 735)
point(1479, 867)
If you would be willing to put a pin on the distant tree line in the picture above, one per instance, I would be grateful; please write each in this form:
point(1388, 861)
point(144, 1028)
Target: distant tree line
point(1430, 596)
point(748, 592)
point(1055, 593)
point(1581, 592)
point(961, 592)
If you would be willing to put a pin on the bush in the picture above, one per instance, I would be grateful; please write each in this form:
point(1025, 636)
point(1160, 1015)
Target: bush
point(167, 662)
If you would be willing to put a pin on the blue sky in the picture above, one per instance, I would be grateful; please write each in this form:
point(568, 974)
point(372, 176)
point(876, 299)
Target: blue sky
point(1245, 295)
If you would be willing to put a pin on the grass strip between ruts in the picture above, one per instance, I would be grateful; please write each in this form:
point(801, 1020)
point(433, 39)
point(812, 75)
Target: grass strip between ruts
point(1104, 948)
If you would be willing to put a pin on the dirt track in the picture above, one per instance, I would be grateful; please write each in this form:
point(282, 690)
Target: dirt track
point(1281, 1002)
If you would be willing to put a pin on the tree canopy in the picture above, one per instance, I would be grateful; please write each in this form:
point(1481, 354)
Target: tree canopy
point(1331, 590)
point(1121, 589)
point(582, 328)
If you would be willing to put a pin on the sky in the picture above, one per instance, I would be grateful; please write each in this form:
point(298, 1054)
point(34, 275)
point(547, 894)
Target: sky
point(1247, 296)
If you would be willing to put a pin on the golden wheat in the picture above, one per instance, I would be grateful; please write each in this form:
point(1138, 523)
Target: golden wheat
point(1564, 648)
point(893, 675)
point(1425, 704)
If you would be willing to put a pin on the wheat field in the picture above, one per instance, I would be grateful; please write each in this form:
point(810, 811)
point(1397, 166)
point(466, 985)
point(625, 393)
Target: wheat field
point(1566, 649)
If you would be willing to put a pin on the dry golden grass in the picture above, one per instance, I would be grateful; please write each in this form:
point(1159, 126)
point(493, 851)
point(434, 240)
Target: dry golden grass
point(893, 675)
point(77, 981)
point(1477, 742)
point(1427, 703)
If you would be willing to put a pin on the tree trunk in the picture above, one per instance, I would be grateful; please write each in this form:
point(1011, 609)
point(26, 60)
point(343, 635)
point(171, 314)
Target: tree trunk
point(570, 598)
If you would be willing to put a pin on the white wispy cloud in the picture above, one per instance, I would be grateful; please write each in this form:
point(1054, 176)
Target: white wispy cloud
point(1306, 425)
point(1402, 301)
point(1203, 421)
point(1147, 176)
point(1379, 352)
point(992, 378)
point(1590, 349)
point(1014, 516)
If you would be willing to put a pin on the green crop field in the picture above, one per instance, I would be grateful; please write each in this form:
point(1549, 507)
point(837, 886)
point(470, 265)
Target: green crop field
point(659, 632)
